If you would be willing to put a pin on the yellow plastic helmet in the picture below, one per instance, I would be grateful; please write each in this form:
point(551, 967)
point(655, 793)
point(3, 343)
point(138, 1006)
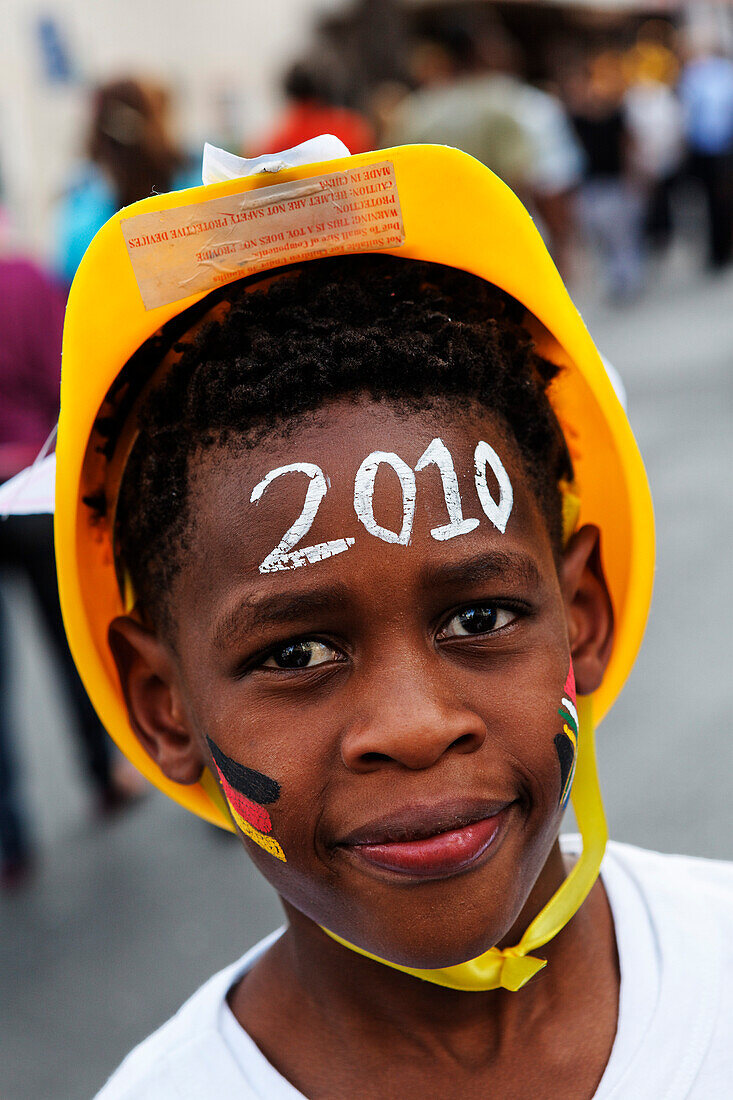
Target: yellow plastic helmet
point(158, 257)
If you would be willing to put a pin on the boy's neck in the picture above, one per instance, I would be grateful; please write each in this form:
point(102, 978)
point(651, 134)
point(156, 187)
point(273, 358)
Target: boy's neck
point(308, 987)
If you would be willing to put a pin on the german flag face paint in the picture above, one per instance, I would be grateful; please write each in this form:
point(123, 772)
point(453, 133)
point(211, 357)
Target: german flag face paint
point(566, 743)
point(248, 792)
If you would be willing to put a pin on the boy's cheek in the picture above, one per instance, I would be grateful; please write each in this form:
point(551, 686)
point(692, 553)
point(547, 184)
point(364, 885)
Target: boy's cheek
point(272, 775)
point(524, 735)
point(268, 808)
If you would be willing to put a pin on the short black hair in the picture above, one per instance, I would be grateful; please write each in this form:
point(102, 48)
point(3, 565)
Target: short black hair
point(402, 331)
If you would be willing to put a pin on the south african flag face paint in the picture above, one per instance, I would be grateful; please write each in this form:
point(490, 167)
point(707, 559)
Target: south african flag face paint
point(248, 793)
point(566, 743)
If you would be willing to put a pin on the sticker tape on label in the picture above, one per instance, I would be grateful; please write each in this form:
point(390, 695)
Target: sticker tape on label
point(192, 249)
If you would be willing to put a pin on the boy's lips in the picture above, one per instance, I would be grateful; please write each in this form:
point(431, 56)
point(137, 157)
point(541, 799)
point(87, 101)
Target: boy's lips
point(433, 842)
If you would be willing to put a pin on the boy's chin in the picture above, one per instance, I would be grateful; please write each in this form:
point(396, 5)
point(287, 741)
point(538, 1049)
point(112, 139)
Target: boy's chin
point(433, 940)
point(432, 925)
point(440, 953)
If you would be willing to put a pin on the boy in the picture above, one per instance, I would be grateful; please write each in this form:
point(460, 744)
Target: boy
point(337, 545)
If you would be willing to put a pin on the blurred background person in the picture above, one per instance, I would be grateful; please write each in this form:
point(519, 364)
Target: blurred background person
point(611, 197)
point(706, 91)
point(556, 158)
point(472, 94)
point(31, 319)
point(455, 103)
point(130, 153)
point(16, 848)
point(311, 109)
point(655, 121)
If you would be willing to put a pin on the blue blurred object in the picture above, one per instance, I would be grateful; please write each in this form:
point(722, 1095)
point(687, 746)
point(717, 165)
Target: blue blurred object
point(86, 206)
point(706, 90)
point(55, 55)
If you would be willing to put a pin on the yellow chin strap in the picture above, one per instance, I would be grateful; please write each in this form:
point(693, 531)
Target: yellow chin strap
point(512, 967)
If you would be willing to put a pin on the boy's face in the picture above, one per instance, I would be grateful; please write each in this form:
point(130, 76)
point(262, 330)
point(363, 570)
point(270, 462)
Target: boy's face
point(386, 694)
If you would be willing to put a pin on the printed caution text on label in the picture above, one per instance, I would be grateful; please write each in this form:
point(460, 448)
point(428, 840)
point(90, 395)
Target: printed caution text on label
point(194, 248)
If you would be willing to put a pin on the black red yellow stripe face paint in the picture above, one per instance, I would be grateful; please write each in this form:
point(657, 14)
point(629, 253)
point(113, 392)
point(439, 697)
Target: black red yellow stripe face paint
point(566, 743)
point(248, 793)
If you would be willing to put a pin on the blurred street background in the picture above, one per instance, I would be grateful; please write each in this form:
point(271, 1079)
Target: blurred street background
point(614, 122)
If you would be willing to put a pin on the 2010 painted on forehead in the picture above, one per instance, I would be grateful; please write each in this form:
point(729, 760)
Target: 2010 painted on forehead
point(248, 792)
point(285, 556)
point(566, 743)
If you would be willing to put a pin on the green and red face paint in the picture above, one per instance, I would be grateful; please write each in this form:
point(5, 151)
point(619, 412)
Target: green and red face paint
point(566, 743)
point(248, 793)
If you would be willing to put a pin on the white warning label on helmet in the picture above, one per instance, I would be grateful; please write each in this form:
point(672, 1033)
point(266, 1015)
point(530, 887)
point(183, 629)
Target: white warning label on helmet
point(191, 249)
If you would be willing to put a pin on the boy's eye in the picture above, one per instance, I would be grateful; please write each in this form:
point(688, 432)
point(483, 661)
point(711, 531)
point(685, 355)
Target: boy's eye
point(303, 654)
point(483, 618)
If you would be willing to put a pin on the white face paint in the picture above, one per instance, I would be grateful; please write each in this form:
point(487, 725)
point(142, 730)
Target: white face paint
point(364, 496)
point(438, 453)
point(283, 556)
point(498, 513)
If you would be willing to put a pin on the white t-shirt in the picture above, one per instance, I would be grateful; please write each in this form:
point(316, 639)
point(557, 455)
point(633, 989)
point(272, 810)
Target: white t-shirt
point(673, 917)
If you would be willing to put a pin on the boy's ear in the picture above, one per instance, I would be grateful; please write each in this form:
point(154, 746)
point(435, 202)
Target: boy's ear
point(588, 608)
point(154, 704)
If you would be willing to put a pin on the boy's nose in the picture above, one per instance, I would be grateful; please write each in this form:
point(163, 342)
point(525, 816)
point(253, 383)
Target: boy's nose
point(411, 722)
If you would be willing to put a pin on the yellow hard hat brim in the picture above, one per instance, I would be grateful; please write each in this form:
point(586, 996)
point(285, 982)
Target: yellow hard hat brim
point(454, 212)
